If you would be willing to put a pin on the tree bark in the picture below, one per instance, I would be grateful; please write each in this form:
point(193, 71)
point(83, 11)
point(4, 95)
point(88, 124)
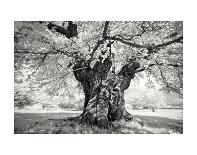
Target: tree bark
point(104, 91)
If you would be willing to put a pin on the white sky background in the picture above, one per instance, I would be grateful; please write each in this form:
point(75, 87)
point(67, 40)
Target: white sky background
point(97, 144)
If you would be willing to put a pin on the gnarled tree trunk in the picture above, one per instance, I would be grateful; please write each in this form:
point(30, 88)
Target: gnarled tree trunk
point(104, 91)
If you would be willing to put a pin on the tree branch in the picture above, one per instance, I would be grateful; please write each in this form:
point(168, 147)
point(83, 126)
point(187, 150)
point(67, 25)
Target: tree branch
point(143, 30)
point(51, 52)
point(105, 29)
point(39, 65)
point(42, 56)
point(58, 29)
point(158, 64)
point(170, 86)
point(126, 42)
point(24, 51)
point(177, 40)
point(95, 48)
point(105, 37)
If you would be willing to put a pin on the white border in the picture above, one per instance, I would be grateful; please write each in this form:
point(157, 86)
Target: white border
point(97, 10)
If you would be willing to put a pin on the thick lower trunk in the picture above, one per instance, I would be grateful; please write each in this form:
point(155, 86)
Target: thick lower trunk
point(106, 104)
point(104, 92)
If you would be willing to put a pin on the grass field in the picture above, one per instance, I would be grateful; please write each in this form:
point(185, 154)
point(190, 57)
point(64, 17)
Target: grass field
point(166, 121)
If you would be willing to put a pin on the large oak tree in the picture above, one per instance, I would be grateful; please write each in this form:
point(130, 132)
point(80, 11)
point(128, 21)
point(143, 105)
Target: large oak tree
point(104, 57)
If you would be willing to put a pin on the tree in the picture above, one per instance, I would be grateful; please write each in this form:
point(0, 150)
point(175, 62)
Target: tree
point(104, 58)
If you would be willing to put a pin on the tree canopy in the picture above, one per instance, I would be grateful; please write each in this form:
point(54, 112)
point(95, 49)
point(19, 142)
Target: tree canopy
point(47, 54)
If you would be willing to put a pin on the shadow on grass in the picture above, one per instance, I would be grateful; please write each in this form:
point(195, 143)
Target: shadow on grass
point(176, 126)
point(60, 123)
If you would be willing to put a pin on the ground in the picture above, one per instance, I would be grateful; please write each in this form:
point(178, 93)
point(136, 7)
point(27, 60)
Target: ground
point(163, 121)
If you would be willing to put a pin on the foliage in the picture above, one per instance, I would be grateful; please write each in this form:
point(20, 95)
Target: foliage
point(44, 58)
point(31, 95)
point(21, 100)
point(153, 99)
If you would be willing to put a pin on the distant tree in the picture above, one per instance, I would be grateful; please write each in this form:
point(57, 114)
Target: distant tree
point(103, 57)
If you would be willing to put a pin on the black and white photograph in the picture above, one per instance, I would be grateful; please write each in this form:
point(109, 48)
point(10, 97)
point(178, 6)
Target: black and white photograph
point(98, 77)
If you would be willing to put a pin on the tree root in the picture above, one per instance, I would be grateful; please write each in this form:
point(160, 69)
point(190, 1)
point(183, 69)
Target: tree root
point(106, 123)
